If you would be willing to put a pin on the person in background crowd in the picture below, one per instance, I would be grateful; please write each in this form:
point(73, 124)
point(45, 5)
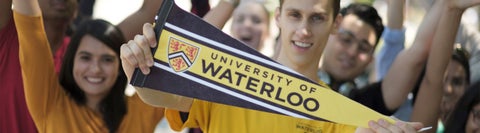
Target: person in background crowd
point(250, 21)
point(465, 117)
point(57, 17)
point(456, 82)
point(429, 98)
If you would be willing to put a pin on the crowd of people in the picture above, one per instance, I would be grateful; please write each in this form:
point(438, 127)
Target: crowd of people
point(61, 75)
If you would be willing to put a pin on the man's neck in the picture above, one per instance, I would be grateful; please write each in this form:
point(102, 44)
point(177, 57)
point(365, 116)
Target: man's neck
point(56, 31)
point(308, 70)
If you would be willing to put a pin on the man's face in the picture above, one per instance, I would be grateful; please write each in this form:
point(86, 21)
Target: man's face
point(304, 26)
point(349, 51)
point(58, 9)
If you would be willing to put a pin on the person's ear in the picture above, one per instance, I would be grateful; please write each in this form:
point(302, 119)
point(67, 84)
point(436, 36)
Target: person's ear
point(277, 16)
point(336, 24)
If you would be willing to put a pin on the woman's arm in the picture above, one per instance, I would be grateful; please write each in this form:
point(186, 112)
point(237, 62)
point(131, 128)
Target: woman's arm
point(27, 7)
point(406, 69)
point(426, 109)
point(39, 79)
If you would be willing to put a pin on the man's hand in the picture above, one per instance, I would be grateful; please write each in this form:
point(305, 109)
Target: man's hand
point(383, 126)
point(137, 53)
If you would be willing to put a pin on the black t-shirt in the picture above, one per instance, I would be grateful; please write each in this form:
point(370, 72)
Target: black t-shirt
point(372, 97)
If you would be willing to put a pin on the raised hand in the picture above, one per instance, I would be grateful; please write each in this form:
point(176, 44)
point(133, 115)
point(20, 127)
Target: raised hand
point(137, 53)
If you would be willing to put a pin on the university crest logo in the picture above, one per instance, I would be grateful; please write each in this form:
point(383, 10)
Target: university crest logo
point(181, 55)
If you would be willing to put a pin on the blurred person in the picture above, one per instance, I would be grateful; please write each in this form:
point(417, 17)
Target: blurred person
point(456, 82)
point(412, 62)
point(58, 15)
point(349, 52)
point(250, 20)
point(465, 117)
point(393, 35)
point(343, 60)
point(251, 24)
point(429, 98)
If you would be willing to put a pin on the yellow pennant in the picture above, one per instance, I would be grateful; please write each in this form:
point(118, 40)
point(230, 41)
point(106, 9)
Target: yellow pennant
point(195, 59)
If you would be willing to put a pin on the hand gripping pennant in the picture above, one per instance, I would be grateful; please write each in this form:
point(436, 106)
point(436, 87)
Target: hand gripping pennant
point(197, 60)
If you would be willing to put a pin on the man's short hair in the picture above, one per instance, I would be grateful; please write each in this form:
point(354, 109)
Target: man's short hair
point(367, 14)
point(335, 4)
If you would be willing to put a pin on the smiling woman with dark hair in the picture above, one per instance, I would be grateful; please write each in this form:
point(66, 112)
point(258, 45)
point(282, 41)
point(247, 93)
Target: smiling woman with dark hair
point(465, 118)
point(456, 81)
point(89, 95)
point(74, 75)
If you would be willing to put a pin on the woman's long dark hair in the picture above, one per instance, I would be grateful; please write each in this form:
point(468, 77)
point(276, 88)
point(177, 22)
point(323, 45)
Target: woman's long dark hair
point(458, 119)
point(113, 107)
point(462, 56)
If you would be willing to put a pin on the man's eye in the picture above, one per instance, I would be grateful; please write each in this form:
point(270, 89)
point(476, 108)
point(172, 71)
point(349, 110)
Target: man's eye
point(295, 15)
point(365, 47)
point(256, 20)
point(239, 19)
point(318, 18)
point(345, 39)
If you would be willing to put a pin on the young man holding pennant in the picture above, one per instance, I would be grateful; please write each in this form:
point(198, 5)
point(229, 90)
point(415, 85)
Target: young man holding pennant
point(305, 26)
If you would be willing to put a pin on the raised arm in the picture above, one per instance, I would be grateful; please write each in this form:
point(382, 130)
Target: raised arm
point(393, 36)
point(220, 14)
point(395, 14)
point(426, 109)
point(406, 68)
point(132, 25)
point(27, 7)
point(136, 53)
point(40, 82)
